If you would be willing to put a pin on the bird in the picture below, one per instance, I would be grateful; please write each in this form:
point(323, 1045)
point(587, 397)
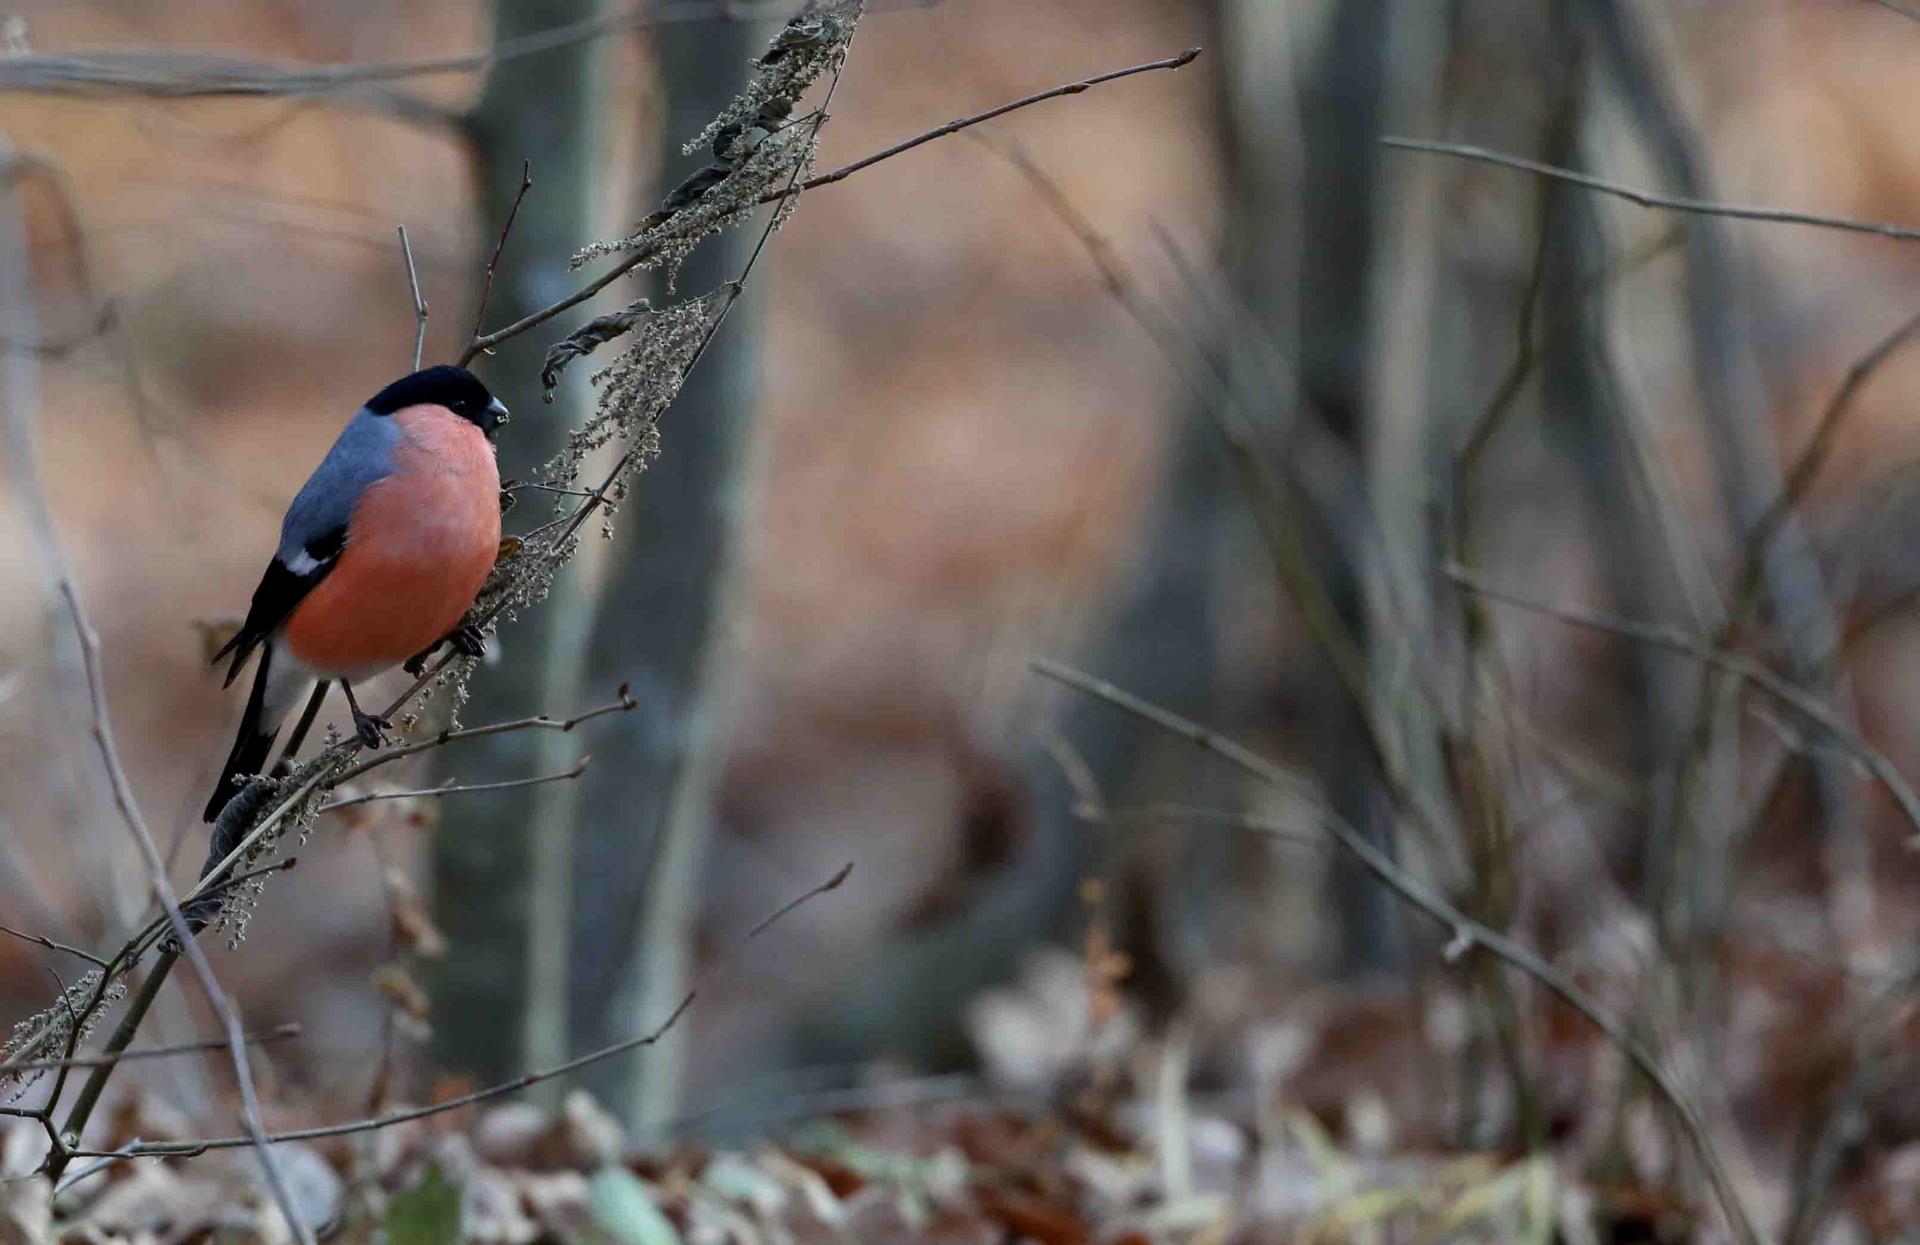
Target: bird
point(382, 553)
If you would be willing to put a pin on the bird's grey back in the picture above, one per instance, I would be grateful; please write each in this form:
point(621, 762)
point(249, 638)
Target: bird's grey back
point(362, 455)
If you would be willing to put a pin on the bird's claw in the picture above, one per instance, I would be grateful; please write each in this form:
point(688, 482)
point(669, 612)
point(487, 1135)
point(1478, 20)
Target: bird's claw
point(467, 641)
point(371, 728)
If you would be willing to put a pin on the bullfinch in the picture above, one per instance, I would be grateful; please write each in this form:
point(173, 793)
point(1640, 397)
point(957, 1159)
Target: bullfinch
point(381, 555)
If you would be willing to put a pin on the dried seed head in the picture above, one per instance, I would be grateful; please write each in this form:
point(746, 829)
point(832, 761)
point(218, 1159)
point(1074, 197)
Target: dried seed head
point(760, 147)
point(48, 1033)
point(813, 41)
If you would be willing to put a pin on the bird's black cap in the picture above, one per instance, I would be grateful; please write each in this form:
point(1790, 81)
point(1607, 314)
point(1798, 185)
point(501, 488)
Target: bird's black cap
point(455, 388)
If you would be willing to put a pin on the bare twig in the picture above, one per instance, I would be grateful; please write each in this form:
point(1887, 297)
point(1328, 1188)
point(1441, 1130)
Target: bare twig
point(1648, 198)
point(51, 945)
point(493, 264)
point(279, 1033)
point(487, 341)
point(539, 722)
point(1465, 932)
point(1807, 466)
point(953, 127)
point(163, 894)
point(831, 884)
point(452, 788)
point(327, 769)
point(419, 300)
point(186, 1149)
point(515, 1085)
point(538, 487)
point(1797, 699)
point(172, 75)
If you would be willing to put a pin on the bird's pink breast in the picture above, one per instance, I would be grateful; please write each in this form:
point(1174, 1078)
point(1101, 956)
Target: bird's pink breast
point(419, 548)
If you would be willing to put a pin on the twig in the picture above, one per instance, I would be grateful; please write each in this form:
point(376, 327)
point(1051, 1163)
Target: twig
point(487, 341)
point(1807, 466)
point(325, 769)
point(163, 893)
point(186, 1149)
point(539, 722)
point(457, 789)
point(831, 884)
point(419, 300)
point(1648, 198)
point(1795, 698)
point(51, 945)
point(518, 1083)
point(181, 76)
point(280, 1033)
point(1465, 932)
point(538, 487)
point(493, 263)
point(953, 127)
point(1901, 9)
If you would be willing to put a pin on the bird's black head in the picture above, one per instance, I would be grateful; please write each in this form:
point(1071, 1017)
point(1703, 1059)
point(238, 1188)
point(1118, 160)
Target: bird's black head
point(455, 388)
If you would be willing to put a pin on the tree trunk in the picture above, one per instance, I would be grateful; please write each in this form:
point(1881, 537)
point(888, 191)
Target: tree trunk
point(647, 807)
point(540, 109)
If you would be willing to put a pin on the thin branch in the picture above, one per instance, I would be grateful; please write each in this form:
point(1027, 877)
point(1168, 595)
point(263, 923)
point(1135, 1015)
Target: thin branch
point(518, 1083)
point(163, 893)
point(419, 300)
point(186, 1149)
point(831, 884)
point(1464, 932)
point(457, 789)
point(1901, 9)
point(51, 945)
point(1648, 198)
point(493, 263)
point(539, 722)
point(538, 487)
point(170, 75)
point(280, 1033)
point(1807, 466)
point(487, 341)
point(953, 127)
point(1797, 699)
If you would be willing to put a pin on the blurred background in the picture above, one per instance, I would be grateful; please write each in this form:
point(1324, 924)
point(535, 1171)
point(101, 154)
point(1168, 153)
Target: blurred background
point(1186, 380)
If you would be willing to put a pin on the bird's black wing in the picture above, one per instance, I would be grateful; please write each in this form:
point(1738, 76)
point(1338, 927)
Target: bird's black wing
point(281, 589)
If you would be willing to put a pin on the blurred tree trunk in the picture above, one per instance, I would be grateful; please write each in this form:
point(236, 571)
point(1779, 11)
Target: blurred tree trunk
point(1343, 95)
point(648, 806)
point(540, 110)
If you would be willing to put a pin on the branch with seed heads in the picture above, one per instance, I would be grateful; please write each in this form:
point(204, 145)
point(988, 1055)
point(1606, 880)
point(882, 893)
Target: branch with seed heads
point(246, 833)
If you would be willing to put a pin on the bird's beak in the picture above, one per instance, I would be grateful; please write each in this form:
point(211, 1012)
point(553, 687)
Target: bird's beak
point(498, 410)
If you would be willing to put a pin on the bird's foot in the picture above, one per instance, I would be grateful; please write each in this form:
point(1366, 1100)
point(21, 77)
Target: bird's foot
point(371, 728)
point(467, 641)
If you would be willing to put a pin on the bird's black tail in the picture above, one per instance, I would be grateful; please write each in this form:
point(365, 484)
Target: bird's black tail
point(258, 727)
